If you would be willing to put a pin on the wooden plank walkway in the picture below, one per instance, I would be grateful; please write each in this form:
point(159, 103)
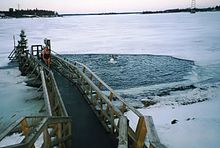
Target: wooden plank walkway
point(87, 131)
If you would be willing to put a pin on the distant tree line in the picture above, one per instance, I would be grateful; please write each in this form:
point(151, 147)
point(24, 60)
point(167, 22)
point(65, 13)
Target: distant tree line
point(217, 8)
point(28, 13)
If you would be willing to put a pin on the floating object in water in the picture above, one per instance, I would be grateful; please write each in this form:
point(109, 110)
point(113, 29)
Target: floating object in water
point(112, 60)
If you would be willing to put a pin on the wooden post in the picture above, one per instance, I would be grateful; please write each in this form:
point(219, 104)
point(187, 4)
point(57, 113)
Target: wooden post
point(152, 133)
point(24, 127)
point(111, 96)
point(47, 139)
point(84, 69)
point(141, 132)
point(59, 134)
point(101, 106)
point(96, 98)
point(123, 132)
point(112, 119)
point(91, 77)
point(69, 143)
point(123, 108)
point(90, 93)
point(99, 85)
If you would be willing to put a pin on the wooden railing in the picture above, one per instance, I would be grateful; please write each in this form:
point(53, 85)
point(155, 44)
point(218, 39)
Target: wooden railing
point(12, 55)
point(57, 120)
point(53, 100)
point(108, 105)
point(52, 96)
point(49, 131)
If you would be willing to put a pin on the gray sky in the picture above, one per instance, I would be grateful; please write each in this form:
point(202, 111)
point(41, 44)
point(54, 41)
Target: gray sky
point(81, 6)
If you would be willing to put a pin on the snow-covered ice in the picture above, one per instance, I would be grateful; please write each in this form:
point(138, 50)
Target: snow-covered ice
point(192, 37)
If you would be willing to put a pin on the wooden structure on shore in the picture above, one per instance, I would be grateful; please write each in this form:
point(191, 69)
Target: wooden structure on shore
point(58, 128)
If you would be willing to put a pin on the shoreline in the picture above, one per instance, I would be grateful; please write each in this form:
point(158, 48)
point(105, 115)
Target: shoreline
point(177, 10)
point(168, 11)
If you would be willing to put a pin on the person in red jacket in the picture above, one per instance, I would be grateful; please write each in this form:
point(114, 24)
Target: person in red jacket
point(46, 56)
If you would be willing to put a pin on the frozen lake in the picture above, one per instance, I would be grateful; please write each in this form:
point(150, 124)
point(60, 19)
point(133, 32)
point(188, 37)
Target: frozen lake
point(182, 35)
point(179, 62)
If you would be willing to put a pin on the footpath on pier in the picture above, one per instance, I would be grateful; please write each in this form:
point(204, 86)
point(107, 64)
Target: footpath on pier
point(87, 130)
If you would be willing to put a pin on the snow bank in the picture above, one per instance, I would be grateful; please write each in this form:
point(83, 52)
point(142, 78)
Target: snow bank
point(17, 99)
point(15, 138)
point(3, 60)
point(198, 124)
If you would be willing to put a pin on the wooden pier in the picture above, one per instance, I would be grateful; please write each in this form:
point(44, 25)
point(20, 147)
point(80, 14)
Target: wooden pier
point(82, 110)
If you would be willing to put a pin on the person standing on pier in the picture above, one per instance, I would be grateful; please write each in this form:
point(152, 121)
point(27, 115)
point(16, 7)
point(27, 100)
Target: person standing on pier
point(46, 53)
